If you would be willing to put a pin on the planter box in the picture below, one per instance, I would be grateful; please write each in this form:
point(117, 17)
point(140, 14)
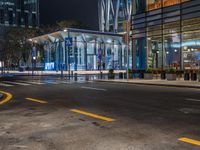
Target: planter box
point(130, 75)
point(171, 77)
point(148, 76)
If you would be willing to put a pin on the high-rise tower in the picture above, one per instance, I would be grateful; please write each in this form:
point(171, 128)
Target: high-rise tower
point(113, 13)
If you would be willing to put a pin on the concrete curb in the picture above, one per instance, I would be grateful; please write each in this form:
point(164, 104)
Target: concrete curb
point(151, 84)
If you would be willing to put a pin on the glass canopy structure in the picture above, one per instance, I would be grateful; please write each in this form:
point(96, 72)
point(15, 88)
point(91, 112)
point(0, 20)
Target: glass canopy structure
point(77, 49)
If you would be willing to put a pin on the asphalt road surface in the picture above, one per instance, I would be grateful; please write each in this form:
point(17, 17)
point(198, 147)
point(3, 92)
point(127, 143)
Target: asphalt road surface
point(50, 113)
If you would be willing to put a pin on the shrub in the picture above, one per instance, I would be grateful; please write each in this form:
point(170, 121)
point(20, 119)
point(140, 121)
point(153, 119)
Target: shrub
point(149, 70)
point(171, 71)
point(130, 71)
point(111, 71)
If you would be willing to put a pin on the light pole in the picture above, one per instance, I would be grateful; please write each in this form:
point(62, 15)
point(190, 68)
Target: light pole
point(68, 44)
point(127, 41)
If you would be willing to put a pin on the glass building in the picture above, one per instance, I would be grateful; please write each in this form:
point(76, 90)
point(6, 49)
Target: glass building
point(165, 33)
point(77, 49)
point(113, 14)
point(24, 13)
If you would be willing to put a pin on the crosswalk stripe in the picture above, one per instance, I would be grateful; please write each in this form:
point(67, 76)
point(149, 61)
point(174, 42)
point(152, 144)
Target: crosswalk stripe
point(32, 82)
point(16, 83)
point(6, 85)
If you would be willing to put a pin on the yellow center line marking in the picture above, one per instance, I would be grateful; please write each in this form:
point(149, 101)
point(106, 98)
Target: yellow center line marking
point(8, 97)
point(37, 100)
point(190, 141)
point(92, 115)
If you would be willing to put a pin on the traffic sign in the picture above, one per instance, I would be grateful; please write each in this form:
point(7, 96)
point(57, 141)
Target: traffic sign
point(33, 52)
point(68, 41)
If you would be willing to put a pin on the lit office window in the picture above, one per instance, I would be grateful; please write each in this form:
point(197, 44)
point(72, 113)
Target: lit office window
point(170, 2)
point(153, 4)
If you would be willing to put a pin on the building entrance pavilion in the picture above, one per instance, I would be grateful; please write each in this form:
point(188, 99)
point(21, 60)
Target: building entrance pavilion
point(81, 50)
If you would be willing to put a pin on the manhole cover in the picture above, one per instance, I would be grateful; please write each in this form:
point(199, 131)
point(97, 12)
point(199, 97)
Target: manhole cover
point(190, 111)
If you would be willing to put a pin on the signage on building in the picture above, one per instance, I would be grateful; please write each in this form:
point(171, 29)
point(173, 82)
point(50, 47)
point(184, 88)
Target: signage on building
point(68, 41)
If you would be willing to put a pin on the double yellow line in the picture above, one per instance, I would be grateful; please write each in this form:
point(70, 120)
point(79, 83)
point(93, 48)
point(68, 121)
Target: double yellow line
point(37, 100)
point(190, 141)
point(8, 97)
point(92, 115)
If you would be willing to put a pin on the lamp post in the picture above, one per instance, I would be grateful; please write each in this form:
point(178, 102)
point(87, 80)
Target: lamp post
point(68, 45)
point(127, 41)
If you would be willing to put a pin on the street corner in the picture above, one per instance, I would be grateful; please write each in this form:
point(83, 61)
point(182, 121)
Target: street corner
point(5, 97)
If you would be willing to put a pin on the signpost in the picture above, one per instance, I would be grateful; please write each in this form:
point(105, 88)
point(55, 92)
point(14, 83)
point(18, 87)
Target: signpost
point(68, 44)
point(33, 54)
point(99, 61)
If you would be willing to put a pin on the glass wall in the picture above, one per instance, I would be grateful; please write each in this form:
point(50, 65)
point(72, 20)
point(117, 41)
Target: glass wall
point(88, 52)
point(191, 43)
point(168, 37)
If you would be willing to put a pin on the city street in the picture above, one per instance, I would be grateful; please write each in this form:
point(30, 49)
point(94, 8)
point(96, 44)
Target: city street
point(50, 113)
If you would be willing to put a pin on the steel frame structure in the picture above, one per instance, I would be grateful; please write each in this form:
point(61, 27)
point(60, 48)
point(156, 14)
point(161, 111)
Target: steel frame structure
point(111, 12)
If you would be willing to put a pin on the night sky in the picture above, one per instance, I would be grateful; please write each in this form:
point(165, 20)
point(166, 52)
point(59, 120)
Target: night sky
point(85, 11)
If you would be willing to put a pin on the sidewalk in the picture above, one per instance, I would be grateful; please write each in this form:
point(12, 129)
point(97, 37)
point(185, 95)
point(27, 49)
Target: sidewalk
point(157, 82)
point(41, 73)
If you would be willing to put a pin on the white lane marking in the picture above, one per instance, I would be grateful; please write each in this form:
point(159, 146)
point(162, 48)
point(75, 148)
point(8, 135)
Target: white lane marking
point(63, 82)
point(16, 83)
point(20, 146)
point(31, 82)
point(90, 88)
point(6, 85)
point(191, 99)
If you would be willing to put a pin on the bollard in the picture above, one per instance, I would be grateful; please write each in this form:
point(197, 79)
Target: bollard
point(120, 75)
point(75, 77)
point(186, 76)
point(193, 76)
point(72, 74)
point(101, 75)
point(87, 77)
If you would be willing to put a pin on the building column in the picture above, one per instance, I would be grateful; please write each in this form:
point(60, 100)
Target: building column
point(75, 54)
point(85, 55)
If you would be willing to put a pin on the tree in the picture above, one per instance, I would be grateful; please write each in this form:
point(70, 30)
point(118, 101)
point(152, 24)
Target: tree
point(16, 47)
point(71, 24)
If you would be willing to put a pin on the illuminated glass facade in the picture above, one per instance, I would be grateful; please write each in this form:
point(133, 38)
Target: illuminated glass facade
point(90, 51)
point(166, 33)
point(24, 13)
